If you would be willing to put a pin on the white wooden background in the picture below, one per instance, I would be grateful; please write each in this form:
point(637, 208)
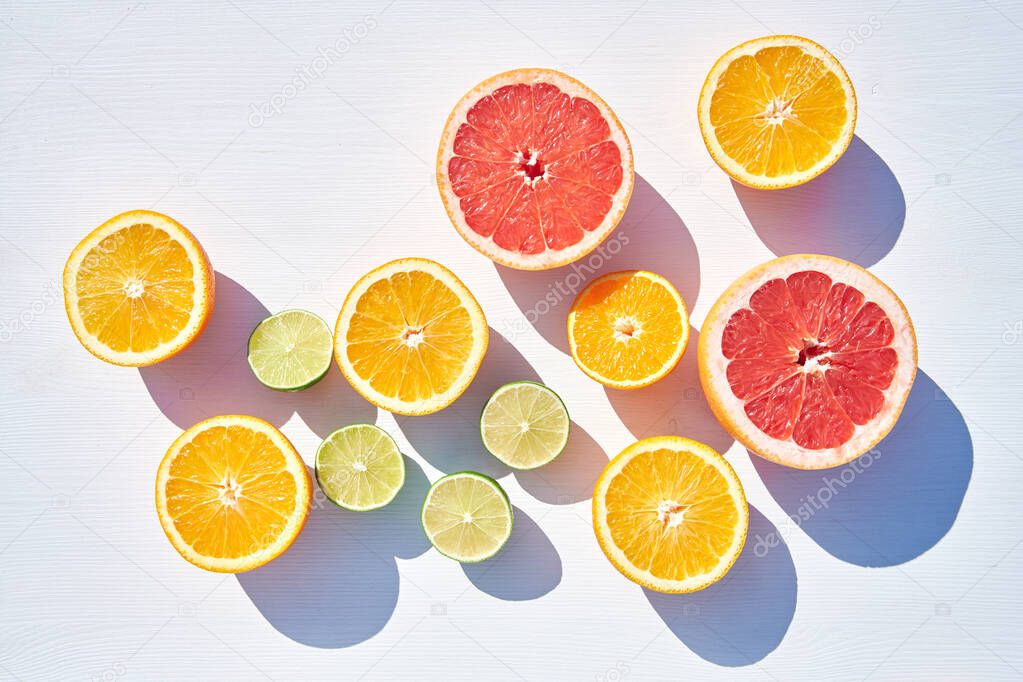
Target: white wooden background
point(910, 566)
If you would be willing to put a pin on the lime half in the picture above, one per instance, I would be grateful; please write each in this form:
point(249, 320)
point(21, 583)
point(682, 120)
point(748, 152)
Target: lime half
point(524, 424)
point(467, 516)
point(359, 467)
point(291, 350)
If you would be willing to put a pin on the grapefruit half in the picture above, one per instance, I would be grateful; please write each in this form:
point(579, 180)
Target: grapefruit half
point(808, 360)
point(534, 169)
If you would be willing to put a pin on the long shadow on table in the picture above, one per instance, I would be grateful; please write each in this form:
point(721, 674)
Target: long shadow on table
point(896, 501)
point(855, 210)
point(651, 236)
point(527, 567)
point(212, 376)
point(675, 405)
point(450, 439)
point(743, 617)
point(338, 584)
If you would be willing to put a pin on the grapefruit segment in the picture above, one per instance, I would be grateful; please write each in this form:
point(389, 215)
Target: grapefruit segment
point(749, 335)
point(822, 423)
point(808, 290)
point(808, 360)
point(534, 169)
point(775, 411)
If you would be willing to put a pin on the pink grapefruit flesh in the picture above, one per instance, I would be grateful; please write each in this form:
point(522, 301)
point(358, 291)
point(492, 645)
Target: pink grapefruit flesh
point(808, 360)
point(534, 169)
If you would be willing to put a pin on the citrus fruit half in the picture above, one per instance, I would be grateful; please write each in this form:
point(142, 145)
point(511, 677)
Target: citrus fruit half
point(628, 329)
point(777, 111)
point(410, 336)
point(138, 289)
point(360, 468)
point(291, 350)
point(232, 493)
point(670, 514)
point(467, 516)
point(807, 360)
point(525, 425)
point(534, 169)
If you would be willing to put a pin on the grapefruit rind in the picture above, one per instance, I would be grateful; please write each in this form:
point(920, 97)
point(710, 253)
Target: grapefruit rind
point(295, 466)
point(481, 336)
point(667, 367)
point(203, 299)
point(548, 258)
point(730, 410)
point(618, 558)
point(733, 168)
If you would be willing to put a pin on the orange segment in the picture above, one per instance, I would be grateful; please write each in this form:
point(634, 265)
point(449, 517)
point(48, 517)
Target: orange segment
point(138, 289)
point(410, 336)
point(777, 111)
point(670, 514)
point(232, 493)
point(628, 329)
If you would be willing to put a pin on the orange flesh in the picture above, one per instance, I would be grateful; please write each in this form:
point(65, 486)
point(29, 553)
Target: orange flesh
point(135, 289)
point(626, 328)
point(229, 493)
point(671, 513)
point(534, 168)
point(810, 358)
point(410, 337)
point(778, 112)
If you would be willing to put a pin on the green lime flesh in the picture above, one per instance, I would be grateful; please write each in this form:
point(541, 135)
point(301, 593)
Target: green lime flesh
point(291, 350)
point(525, 425)
point(359, 467)
point(467, 516)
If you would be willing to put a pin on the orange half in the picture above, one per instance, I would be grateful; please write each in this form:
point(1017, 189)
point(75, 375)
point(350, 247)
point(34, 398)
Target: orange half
point(777, 111)
point(232, 493)
point(410, 336)
point(670, 514)
point(138, 289)
point(628, 329)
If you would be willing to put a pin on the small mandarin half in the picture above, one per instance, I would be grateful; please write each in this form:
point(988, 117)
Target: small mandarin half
point(670, 514)
point(777, 111)
point(534, 169)
point(628, 329)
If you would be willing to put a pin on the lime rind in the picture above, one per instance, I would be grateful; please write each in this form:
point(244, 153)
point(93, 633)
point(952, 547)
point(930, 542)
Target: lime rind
point(357, 459)
point(501, 500)
point(496, 438)
point(291, 350)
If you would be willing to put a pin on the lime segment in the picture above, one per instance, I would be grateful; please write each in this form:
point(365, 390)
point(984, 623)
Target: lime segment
point(467, 516)
point(525, 425)
point(359, 467)
point(291, 350)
